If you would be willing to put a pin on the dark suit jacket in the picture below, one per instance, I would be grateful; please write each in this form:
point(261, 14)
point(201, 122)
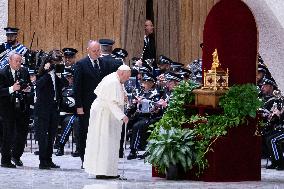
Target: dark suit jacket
point(45, 94)
point(7, 106)
point(108, 64)
point(86, 79)
point(149, 49)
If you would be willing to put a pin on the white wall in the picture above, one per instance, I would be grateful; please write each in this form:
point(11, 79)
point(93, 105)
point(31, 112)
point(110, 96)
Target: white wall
point(270, 22)
point(3, 19)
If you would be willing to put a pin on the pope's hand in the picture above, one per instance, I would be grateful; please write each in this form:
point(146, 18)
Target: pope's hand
point(125, 119)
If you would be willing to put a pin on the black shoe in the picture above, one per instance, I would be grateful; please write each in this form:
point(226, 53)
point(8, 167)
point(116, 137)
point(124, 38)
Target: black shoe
point(82, 167)
point(272, 166)
point(44, 166)
point(132, 155)
point(60, 152)
point(106, 177)
point(56, 146)
point(36, 153)
point(280, 168)
point(8, 165)
point(53, 165)
point(75, 154)
point(17, 161)
point(120, 154)
point(141, 156)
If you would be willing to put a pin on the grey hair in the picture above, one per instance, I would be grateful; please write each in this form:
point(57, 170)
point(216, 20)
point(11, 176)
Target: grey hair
point(91, 41)
point(12, 53)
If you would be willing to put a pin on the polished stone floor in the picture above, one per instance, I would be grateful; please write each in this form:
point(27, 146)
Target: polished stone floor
point(70, 176)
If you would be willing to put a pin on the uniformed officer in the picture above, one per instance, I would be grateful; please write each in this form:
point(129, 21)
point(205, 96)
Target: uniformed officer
point(146, 112)
point(120, 54)
point(176, 66)
point(164, 65)
point(69, 118)
point(108, 63)
point(12, 44)
point(272, 112)
point(67, 109)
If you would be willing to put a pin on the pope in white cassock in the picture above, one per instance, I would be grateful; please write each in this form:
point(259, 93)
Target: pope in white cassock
point(105, 125)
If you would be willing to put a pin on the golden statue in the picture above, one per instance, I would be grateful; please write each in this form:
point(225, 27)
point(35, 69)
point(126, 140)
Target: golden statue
point(216, 78)
point(215, 63)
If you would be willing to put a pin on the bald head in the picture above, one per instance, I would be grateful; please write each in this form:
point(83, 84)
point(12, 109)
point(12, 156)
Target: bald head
point(93, 49)
point(123, 75)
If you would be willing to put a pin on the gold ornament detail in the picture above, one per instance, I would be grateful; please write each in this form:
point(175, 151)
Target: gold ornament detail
point(216, 78)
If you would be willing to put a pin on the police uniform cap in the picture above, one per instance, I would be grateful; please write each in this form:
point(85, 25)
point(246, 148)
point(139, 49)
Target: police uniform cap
point(148, 77)
point(69, 52)
point(32, 72)
point(11, 30)
point(184, 72)
point(106, 42)
point(269, 81)
point(170, 76)
point(262, 68)
point(164, 60)
point(147, 66)
point(144, 70)
point(176, 65)
point(120, 53)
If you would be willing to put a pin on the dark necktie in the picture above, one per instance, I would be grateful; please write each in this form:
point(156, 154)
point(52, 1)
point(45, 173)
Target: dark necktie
point(17, 76)
point(96, 65)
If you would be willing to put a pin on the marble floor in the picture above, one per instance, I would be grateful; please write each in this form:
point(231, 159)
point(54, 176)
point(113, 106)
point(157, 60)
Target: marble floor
point(138, 175)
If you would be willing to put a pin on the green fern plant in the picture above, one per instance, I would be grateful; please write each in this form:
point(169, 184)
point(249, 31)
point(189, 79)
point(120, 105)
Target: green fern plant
point(172, 147)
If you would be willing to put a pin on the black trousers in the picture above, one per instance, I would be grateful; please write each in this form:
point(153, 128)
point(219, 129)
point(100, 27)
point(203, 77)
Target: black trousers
point(140, 132)
point(1, 132)
point(83, 130)
point(15, 131)
point(46, 127)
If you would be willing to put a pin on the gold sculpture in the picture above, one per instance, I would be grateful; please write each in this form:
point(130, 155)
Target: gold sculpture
point(215, 63)
point(216, 78)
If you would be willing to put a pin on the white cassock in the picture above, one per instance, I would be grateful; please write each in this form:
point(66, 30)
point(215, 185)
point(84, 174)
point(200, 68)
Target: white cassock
point(105, 125)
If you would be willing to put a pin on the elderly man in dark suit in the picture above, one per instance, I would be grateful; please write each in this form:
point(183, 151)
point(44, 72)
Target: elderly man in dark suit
point(87, 75)
point(14, 110)
point(48, 93)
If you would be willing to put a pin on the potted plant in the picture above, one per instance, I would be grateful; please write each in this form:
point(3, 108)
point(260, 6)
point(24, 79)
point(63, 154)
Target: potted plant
point(169, 144)
point(171, 149)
